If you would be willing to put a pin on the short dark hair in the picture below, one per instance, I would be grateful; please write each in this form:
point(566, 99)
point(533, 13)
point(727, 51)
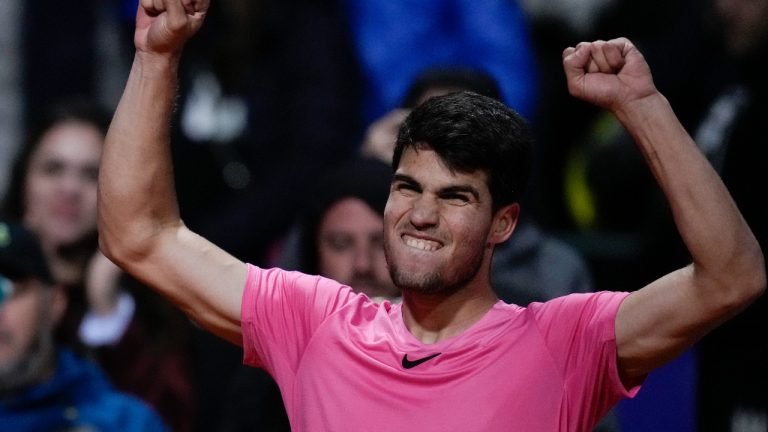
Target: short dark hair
point(472, 132)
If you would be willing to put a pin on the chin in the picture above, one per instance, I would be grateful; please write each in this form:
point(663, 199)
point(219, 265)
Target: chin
point(69, 234)
point(441, 280)
point(424, 283)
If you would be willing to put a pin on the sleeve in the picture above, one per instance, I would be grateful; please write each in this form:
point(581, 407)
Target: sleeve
point(96, 330)
point(580, 333)
point(281, 311)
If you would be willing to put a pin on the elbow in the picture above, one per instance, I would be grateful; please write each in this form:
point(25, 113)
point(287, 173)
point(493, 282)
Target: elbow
point(107, 244)
point(109, 235)
point(759, 281)
point(749, 282)
point(114, 250)
point(123, 248)
point(108, 248)
point(753, 289)
point(755, 282)
point(735, 283)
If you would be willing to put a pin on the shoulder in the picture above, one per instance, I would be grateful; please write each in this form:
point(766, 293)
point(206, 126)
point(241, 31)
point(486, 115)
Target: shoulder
point(581, 302)
point(579, 312)
point(275, 285)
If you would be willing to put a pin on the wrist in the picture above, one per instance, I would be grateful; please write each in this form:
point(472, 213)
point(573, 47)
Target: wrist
point(157, 64)
point(639, 108)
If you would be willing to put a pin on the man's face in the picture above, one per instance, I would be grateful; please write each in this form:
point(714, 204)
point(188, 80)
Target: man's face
point(60, 187)
point(350, 248)
point(437, 225)
point(26, 345)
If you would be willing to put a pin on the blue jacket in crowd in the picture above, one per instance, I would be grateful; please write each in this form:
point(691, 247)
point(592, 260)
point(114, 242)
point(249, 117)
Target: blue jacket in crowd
point(78, 397)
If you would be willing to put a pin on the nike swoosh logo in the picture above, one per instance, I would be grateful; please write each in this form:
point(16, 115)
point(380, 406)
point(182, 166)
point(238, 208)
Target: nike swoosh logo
point(407, 364)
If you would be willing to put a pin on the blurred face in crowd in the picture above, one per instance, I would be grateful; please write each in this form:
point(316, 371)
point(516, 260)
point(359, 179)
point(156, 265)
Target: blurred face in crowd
point(27, 318)
point(60, 186)
point(350, 248)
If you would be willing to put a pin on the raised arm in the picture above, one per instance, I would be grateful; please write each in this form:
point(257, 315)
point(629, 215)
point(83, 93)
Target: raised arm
point(664, 318)
point(139, 224)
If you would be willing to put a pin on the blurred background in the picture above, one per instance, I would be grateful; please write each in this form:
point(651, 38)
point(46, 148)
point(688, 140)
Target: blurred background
point(272, 93)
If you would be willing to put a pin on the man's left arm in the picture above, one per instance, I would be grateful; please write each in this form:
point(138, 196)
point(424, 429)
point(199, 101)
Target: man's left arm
point(663, 319)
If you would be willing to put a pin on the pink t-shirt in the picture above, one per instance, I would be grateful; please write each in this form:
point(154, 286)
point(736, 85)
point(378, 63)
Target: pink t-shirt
point(340, 361)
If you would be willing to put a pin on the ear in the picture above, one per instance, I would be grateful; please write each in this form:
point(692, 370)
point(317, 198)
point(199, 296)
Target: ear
point(504, 222)
point(59, 303)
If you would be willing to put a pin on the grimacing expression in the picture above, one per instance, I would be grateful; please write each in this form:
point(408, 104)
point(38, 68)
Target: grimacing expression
point(437, 225)
point(350, 248)
point(60, 184)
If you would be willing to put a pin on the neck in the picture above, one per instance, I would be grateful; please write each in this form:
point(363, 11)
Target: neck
point(66, 271)
point(35, 367)
point(433, 318)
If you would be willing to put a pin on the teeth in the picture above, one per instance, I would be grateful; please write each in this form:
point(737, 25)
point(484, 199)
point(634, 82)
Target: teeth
point(424, 245)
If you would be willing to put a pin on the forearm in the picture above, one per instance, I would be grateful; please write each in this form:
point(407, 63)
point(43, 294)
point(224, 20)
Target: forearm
point(139, 225)
point(724, 251)
point(661, 320)
point(136, 189)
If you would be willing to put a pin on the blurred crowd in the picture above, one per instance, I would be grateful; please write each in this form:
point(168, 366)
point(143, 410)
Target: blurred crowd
point(295, 103)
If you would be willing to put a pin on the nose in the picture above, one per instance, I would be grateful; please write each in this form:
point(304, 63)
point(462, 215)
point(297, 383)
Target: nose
point(70, 184)
point(424, 212)
point(363, 260)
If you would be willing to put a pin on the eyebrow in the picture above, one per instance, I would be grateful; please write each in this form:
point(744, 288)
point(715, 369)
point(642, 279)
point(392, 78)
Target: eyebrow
point(459, 189)
point(405, 178)
point(443, 191)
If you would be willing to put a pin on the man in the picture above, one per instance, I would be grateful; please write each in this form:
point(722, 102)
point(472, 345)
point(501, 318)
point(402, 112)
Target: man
point(341, 235)
point(532, 265)
point(450, 356)
point(42, 386)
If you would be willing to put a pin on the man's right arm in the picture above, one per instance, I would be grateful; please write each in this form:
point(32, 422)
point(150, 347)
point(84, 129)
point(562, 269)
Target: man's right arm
point(139, 224)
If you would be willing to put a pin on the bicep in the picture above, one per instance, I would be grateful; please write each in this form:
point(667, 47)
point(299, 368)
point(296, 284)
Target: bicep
point(204, 281)
point(662, 320)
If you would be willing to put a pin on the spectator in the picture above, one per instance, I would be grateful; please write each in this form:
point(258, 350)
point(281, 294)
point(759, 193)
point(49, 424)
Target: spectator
point(136, 337)
point(53, 190)
point(43, 385)
point(341, 234)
